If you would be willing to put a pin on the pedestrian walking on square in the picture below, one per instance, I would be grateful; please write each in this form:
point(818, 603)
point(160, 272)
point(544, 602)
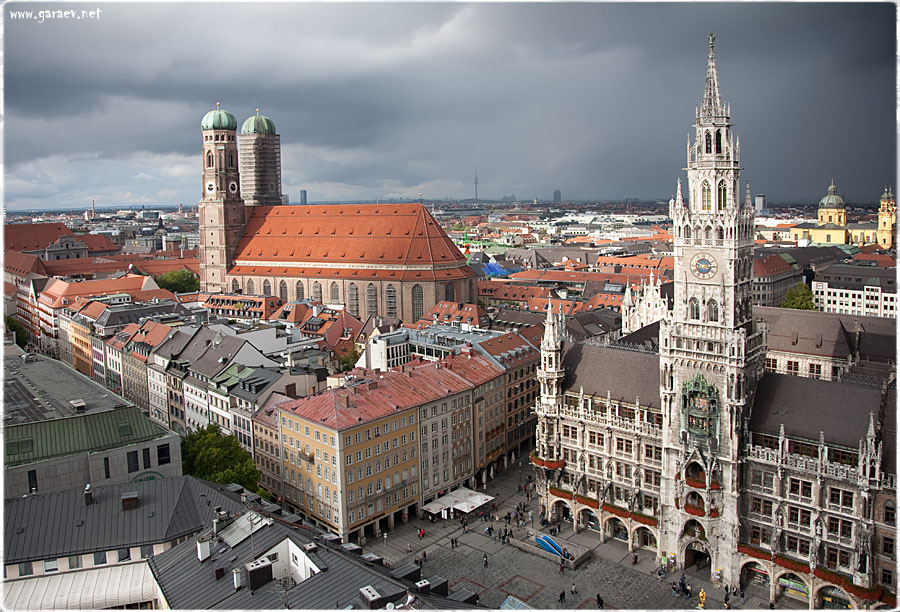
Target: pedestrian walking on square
point(674, 590)
point(562, 597)
point(742, 597)
point(408, 548)
point(484, 560)
point(599, 601)
point(727, 595)
point(690, 592)
point(574, 590)
point(424, 556)
point(562, 565)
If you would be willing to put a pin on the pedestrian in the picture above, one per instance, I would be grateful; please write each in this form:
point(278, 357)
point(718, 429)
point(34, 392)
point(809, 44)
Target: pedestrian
point(599, 601)
point(574, 590)
point(562, 564)
point(771, 604)
point(408, 548)
point(742, 597)
point(484, 560)
point(562, 597)
point(634, 559)
point(690, 591)
point(520, 489)
point(674, 590)
point(727, 596)
point(424, 556)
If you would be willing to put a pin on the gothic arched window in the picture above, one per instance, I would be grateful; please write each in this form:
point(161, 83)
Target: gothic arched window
point(267, 287)
point(209, 159)
point(708, 143)
point(371, 300)
point(721, 196)
point(449, 293)
point(235, 286)
point(390, 299)
point(718, 141)
point(712, 311)
point(687, 231)
point(282, 291)
point(300, 293)
point(418, 300)
point(720, 233)
point(353, 299)
point(708, 233)
point(694, 309)
point(335, 292)
point(317, 291)
point(250, 287)
point(231, 160)
point(706, 196)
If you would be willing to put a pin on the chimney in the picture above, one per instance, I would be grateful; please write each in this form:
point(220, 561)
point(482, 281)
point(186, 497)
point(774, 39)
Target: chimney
point(130, 501)
point(88, 495)
point(238, 578)
point(204, 548)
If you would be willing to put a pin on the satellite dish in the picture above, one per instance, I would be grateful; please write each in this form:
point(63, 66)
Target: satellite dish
point(389, 606)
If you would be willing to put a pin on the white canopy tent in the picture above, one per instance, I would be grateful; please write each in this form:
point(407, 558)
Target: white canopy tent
point(126, 584)
point(461, 500)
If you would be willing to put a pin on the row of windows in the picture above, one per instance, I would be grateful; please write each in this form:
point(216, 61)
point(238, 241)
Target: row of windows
point(76, 562)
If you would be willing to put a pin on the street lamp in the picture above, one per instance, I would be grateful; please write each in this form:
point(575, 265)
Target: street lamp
point(385, 545)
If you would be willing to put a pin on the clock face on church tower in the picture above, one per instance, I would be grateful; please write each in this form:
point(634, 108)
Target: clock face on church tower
point(232, 187)
point(704, 266)
point(210, 187)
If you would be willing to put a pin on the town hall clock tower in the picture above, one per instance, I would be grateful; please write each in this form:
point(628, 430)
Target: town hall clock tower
point(711, 351)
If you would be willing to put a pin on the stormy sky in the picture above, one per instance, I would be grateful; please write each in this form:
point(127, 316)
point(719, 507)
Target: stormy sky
point(389, 100)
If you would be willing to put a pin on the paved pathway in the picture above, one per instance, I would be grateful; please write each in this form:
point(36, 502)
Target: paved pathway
point(537, 581)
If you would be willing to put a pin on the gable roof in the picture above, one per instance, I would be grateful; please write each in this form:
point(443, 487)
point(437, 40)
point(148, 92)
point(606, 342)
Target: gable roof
point(359, 234)
point(20, 264)
point(168, 509)
point(32, 236)
point(621, 373)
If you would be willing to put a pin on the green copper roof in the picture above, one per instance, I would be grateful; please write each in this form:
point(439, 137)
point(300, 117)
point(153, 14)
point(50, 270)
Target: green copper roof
point(89, 433)
point(218, 120)
point(832, 200)
point(258, 124)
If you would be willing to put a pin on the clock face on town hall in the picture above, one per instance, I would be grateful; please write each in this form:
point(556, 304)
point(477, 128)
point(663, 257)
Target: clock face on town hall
point(704, 266)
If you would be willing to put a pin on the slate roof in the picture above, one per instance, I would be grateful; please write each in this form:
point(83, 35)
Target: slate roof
point(856, 277)
point(85, 433)
point(625, 374)
point(187, 583)
point(47, 526)
point(806, 406)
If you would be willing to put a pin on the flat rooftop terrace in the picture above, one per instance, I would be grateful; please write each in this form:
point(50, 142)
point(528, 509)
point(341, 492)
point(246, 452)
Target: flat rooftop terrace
point(37, 388)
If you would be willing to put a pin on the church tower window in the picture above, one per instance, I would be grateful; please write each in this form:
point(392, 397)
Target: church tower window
point(712, 310)
point(694, 309)
point(708, 143)
point(209, 159)
point(706, 194)
point(722, 196)
point(718, 141)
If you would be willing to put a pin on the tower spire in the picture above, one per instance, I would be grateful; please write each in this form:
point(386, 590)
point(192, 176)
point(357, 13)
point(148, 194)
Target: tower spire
point(712, 101)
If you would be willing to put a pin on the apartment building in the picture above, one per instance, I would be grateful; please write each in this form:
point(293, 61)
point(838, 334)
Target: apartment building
point(858, 290)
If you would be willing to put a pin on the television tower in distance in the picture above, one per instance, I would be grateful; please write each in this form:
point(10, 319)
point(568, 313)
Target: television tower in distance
point(476, 183)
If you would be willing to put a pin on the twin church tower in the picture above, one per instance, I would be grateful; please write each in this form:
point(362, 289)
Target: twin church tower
point(240, 171)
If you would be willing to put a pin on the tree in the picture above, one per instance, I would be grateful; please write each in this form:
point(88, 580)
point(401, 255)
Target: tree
point(800, 297)
point(207, 454)
point(178, 281)
point(13, 325)
point(348, 360)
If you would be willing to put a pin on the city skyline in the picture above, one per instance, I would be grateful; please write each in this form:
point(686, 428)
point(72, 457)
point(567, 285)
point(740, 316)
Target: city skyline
point(382, 100)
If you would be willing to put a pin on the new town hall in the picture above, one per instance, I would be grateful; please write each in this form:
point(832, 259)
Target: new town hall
point(697, 453)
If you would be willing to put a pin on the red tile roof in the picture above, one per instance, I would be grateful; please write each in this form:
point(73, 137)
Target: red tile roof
point(32, 236)
point(454, 312)
point(97, 242)
point(94, 266)
point(369, 234)
point(57, 290)
point(769, 265)
point(20, 264)
point(498, 290)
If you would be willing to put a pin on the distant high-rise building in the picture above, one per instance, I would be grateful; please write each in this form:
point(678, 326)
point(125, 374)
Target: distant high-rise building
point(760, 203)
point(259, 161)
point(303, 197)
point(557, 197)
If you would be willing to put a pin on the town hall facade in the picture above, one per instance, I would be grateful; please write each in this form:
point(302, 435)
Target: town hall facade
point(752, 476)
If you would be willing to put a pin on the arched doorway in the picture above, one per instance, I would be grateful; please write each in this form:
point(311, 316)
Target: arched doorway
point(616, 529)
point(832, 598)
point(560, 511)
point(754, 574)
point(644, 538)
point(587, 519)
point(791, 586)
point(697, 558)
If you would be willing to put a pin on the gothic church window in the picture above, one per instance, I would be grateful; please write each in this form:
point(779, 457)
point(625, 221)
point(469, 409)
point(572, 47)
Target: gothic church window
point(418, 299)
point(721, 196)
point(267, 287)
point(335, 292)
point(371, 300)
point(235, 287)
point(720, 233)
point(712, 309)
point(317, 291)
point(390, 298)
point(282, 291)
point(353, 299)
point(706, 196)
point(250, 287)
point(300, 293)
point(694, 309)
point(718, 141)
point(708, 143)
point(209, 159)
point(687, 231)
point(449, 295)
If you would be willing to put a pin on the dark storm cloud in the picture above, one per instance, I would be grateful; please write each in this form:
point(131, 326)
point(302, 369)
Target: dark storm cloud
point(381, 99)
